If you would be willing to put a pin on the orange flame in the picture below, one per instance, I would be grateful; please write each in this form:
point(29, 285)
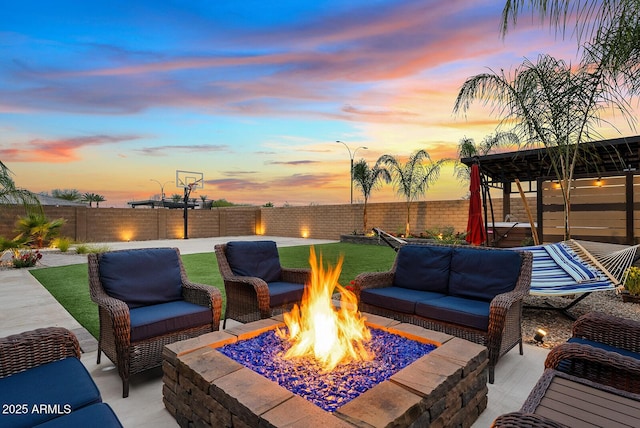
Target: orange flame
point(317, 328)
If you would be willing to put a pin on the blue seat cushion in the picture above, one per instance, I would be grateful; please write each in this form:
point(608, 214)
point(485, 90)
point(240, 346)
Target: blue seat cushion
point(283, 293)
point(423, 267)
point(157, 320)
point(456, 310)
point(258, 259)
point(606, 347)
point(483, 274)
point(396, 299)
point(63, 385)
point(95, 415)
point(142, 277)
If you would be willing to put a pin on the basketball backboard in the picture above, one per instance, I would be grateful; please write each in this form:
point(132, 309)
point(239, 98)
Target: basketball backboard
point(190, 179)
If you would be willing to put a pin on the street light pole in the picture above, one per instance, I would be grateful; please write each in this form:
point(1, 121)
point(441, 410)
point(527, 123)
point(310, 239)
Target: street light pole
point(351, 156)
point(161, 187)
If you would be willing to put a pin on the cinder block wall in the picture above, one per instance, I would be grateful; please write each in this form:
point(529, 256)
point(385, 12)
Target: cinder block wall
point(315, 221)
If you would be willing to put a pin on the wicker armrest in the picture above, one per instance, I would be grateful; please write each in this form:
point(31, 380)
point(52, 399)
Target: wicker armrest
point(374, 280)
point(296, 275)
point(524, 420)
point(610, 330)
point(29, 349)
point(204, 295)
point(578, 351)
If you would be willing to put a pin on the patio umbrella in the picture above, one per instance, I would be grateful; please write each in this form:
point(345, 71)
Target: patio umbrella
point(476, 234)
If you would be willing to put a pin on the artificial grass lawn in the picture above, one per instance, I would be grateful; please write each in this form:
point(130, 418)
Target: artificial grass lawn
point(70, 284)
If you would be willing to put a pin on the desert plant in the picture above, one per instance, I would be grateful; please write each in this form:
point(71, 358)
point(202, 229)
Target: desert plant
point(89, 249)
point(632, 281)
point(37, 230)
point(61, 243)
point(445, 235)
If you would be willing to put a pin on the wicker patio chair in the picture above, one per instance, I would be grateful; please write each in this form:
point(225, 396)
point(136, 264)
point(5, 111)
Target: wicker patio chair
point(146, 301)
point(256, 285)
point(604, 349)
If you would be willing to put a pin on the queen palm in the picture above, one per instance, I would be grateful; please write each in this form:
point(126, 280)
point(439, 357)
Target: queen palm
point(608, 28)
point(413, 178)
point(368, 179)
point(468, 148)
point(550, 104)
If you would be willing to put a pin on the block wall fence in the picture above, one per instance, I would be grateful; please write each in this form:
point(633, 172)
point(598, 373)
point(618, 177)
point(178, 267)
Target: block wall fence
point(85, 224)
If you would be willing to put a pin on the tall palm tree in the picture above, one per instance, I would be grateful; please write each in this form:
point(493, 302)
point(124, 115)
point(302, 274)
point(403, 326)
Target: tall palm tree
point(72, 195)
point(88, 197)
point(552, 104)
point(413, 178)
point(10, 194)
point(97, 199)
point(610, 28)
point(368, 179)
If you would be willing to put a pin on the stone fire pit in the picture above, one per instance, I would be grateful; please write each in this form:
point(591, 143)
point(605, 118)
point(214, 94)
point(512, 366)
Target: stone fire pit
point(202, 387)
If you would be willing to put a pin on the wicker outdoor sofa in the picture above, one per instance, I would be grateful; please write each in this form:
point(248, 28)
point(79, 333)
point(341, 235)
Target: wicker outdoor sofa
point(474, 293)
point(43, 383)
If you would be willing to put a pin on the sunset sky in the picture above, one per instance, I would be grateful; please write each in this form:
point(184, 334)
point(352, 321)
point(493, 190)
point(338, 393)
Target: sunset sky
point(107, 96)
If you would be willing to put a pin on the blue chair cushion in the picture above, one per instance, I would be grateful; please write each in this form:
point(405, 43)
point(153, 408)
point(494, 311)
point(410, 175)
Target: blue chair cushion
point(483, 274)
point(606, 347)
point(456, 310)
point(396, 299)
point(63, 385)
point(95, 415)
point(423, 267)
point(142, 277)
point(258, 259)
point(282, 293)
point(157, 320)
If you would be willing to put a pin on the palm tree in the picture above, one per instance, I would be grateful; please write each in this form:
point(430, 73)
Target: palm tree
point(369, 179)
point(97, 199)
point(72, 195)
point(552, 104)
point(467, 148)
point(10, 194)
point(413, 178)
point(36, 230)
point(610, 28)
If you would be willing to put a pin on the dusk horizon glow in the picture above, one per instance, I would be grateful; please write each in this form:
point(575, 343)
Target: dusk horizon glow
point(113, 97)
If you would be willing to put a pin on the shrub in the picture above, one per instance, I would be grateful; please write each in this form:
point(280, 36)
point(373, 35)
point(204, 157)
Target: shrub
point(86, 249)
point(25, 258)
point(632, 281)
point(61, 243)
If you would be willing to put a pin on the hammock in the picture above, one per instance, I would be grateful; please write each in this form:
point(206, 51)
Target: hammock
point(578, 267)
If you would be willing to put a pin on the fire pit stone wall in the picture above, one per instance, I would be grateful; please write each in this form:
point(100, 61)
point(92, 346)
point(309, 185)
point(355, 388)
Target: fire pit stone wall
point(202, 387)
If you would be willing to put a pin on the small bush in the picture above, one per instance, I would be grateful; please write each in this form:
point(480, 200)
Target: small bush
point(86, 249)
point(61, 243)
point(25, 258)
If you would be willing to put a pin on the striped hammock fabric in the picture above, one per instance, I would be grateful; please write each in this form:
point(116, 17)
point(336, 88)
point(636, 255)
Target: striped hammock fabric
point(559, 271)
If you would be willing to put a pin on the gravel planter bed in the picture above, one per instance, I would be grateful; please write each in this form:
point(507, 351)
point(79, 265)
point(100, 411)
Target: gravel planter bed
point(558, 326)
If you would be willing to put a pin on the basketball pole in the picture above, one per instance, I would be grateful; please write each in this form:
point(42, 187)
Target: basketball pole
point(187, 193)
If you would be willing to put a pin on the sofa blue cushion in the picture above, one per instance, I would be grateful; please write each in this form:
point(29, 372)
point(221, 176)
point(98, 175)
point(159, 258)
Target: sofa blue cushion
point(423, 267)
point(565, 365)
point(142, 277)
point(483, 274)
point(456, 310)
point(59, 383)
point(282, 293)
point(95, 415)
point(396, 299)
point(157, 320)
point(259, 259)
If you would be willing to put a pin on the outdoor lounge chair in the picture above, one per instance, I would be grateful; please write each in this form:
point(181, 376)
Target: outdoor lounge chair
point(577, 268)
point(256, 285)
point(145, 301)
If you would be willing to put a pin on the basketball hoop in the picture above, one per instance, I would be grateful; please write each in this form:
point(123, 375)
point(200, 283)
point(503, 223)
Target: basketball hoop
point(190, 181)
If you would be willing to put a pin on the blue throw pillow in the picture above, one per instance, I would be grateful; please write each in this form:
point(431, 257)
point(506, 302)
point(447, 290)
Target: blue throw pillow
point(483, 274)
point(259, 259)
point(142, 277)
point(424, 268)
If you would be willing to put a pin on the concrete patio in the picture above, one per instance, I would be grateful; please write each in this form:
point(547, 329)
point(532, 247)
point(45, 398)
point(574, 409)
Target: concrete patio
point(26, 305)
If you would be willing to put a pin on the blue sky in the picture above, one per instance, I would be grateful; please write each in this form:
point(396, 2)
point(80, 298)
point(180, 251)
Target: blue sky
point(106, 97)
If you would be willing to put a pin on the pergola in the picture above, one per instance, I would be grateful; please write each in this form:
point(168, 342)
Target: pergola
point(606, 158)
